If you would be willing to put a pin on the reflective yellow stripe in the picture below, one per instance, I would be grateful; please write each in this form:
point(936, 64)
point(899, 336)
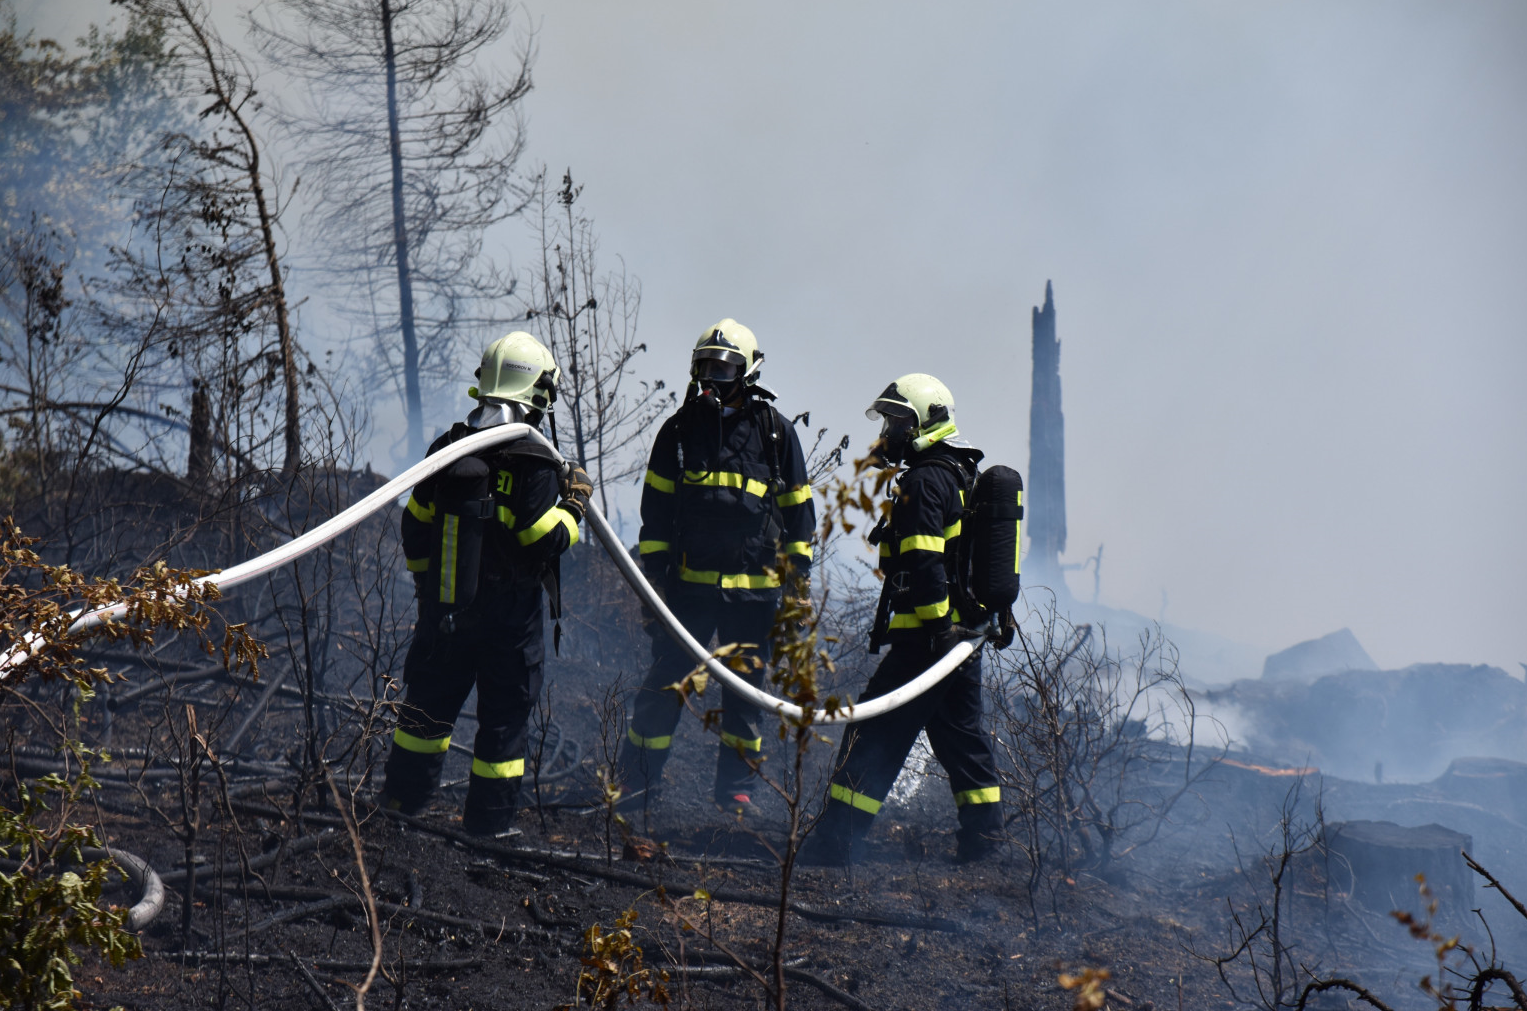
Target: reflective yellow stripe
point(420, 512)
point(852, 799)
point(418, 564)
point(571, 525)
point(794, 496)
point(725, 479)
point(928, 612)
point(954, 615)
point(506, 517)
point(659, 482)
point(925, 612)
point(733, 741)
point(953, 530)
point(802, 548)
point(1018, 538)
point(885, 550)
point(922, 542)
point(546, 524)
point(511, 769)
point(650, 743)
point(744, 581)
point(448, 537)
point(741, 581)
point(420, 745)
point(648, 547)
point(985, 795)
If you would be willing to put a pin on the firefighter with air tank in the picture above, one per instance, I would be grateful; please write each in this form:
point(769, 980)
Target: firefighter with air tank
point(933, 581)
point(481, 538)
point(726, 496)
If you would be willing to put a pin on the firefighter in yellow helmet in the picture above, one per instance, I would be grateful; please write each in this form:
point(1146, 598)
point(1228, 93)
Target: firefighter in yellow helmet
point(918, 617)
point(479, 538)
point(726, 495)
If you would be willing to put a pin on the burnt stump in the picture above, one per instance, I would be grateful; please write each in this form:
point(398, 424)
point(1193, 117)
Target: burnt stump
point(1377, 863)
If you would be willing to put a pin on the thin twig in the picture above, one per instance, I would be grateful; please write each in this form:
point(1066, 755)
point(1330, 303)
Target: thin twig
point(360, 865)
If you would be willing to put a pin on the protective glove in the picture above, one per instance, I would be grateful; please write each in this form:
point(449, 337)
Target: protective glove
point(947, 639)
point(576, 489)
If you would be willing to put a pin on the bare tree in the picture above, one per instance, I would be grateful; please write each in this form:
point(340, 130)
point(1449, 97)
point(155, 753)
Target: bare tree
point(226, 189)
point(588, 320)
point(412, 144)
point(1096, 746)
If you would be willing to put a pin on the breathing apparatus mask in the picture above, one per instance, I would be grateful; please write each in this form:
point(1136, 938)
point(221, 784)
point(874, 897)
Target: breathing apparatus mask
point(718, 381)
point(896, 430)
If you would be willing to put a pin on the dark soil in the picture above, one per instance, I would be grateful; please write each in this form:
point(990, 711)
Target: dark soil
point(500, 924)
point(506, 924)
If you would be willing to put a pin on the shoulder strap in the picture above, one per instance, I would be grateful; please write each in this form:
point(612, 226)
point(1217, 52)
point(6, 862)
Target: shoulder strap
point(961, 476)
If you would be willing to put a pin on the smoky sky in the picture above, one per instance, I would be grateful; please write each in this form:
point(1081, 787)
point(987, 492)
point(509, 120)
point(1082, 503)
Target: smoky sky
point(1288, 243)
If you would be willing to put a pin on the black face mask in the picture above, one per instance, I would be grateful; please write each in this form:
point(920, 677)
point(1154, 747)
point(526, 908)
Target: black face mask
point(895, 438)
point(717, 383)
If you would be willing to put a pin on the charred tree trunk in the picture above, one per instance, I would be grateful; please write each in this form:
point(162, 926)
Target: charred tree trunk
point(414, 405)
point(1046, 513)
point(199, 461)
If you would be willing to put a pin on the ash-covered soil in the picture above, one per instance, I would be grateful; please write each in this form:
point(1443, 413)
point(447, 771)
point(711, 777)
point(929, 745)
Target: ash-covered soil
point(501, 924)
point(278, 918)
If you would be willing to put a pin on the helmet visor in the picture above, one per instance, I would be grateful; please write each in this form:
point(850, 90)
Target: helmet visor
point(718, 370)
point(893, 404)
point(890, 409)
point(722, 354)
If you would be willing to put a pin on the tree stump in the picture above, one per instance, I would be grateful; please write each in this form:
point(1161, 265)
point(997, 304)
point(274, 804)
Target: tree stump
point(1377, 863)
point(1498, 785)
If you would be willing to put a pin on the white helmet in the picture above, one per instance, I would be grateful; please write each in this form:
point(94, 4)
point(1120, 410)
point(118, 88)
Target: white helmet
point(730, 343)
point(517, 367)
point(922, 404)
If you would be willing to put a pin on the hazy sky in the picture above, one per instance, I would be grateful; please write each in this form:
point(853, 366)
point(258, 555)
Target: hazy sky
point(1288, 243)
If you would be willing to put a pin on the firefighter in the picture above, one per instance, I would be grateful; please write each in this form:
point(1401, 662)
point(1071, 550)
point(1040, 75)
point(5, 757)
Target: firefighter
point(726, 495)
point(918, 617)
point(480, 539)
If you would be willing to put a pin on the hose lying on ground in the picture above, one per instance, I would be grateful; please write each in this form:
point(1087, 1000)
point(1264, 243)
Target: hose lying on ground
point(151, 888)
point(392, 490)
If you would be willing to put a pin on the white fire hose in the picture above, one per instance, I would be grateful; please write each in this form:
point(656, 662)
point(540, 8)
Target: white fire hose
point(328, 530)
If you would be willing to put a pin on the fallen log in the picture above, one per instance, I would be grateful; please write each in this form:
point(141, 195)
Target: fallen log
point(573, 862)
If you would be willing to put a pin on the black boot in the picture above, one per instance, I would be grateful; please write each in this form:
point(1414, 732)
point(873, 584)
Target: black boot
point(410, 780)
point(981, 832)
point(490, 806)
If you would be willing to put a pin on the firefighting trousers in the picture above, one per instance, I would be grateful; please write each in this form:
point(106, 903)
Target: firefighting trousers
point(499, 649)
point(649, 736)
point(872, 752)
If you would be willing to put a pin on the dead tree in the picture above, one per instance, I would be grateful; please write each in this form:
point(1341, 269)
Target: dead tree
point(1046, 516)
point(227, 166)
point(588, 320)
point(412, 147)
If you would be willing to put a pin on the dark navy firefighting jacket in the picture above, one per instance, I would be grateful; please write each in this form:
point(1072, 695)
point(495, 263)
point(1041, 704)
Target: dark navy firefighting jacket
point(724, 495)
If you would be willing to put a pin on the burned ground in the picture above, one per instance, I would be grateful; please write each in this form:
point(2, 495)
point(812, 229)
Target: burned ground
point(277, 916)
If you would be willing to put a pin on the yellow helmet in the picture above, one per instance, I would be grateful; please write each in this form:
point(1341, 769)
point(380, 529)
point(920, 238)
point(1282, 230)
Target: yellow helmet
point(923, 401)
point(730, 342)
point(517, 368)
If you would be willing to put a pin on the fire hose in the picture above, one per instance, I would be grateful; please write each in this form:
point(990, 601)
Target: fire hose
point(392, 490)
